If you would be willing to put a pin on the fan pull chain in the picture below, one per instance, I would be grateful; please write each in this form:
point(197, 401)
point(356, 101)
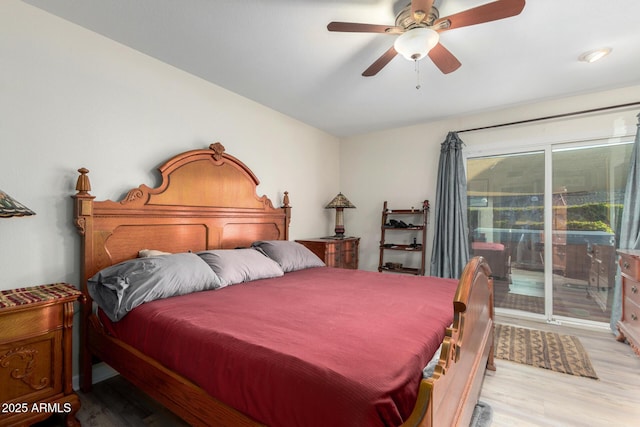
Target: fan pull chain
point(417, 69)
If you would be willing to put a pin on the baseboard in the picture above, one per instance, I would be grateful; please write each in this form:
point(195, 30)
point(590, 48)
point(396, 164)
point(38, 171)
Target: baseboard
point(100, 372)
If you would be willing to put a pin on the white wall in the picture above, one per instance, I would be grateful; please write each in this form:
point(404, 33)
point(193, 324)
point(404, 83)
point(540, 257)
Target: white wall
point(401, 165)
point(70, 98)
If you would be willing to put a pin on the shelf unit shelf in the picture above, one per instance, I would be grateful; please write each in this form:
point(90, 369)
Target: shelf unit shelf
point(393, 222)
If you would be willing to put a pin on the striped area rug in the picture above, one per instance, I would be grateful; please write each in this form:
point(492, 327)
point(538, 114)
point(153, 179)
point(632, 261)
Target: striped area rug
point(549, 350)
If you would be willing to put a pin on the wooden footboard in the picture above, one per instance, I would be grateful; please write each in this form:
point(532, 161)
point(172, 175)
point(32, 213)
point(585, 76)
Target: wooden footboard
point(449, 396)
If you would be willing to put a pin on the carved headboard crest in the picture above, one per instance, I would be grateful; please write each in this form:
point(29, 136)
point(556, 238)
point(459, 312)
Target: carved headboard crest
point(218, 150)
point(207, 199)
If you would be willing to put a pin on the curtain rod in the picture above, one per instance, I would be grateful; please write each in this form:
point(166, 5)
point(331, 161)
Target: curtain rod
point(556, 116)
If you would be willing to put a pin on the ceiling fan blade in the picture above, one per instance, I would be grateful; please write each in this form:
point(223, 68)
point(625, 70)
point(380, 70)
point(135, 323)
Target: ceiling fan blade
point(420, 9)
point(352, 27)
point(380, 62)
point(499, 9)
point(444, 59)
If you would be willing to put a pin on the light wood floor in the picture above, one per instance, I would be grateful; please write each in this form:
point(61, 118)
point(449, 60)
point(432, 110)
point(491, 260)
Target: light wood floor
point(520, 395)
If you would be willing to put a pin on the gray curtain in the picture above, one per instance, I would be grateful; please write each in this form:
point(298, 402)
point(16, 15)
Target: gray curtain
point(630, 225)
point(450, 251)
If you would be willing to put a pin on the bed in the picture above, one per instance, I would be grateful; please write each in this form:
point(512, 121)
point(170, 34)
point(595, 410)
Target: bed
point(207, 208)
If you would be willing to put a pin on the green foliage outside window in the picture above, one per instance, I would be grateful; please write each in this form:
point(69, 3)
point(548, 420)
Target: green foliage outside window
point(587, 217)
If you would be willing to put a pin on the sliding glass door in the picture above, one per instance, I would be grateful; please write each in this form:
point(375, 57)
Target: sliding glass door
point(589, 185)
point(506, 220)
point(546, 221)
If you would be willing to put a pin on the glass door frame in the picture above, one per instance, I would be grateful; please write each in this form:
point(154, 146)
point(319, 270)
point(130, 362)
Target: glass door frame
point(514, 148)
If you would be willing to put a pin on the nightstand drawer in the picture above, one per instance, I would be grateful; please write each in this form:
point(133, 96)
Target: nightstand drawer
point(632, 315)
point(31, 370)
point(349, 255)
point(632, 290)
point(349, 246)
point(630, 266)
point(29, 321)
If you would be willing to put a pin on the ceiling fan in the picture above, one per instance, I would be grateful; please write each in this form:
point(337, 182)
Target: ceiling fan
point(418, 26)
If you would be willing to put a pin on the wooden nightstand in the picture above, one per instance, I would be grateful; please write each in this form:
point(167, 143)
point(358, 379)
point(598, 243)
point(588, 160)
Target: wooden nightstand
point(35, 354)
point(341, 253)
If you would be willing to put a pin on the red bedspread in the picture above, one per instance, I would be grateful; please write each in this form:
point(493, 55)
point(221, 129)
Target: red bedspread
point(319, 347)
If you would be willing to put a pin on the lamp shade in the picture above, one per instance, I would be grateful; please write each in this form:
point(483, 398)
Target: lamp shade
point(339, 202)
point(10, 207)
point(416, 43)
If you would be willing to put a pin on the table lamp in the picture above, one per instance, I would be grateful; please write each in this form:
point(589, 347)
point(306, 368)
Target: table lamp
point(11, 207)
point(339, 203)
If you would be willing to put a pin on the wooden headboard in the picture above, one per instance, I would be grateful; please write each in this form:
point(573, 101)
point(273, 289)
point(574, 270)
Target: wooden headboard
point(207, 200)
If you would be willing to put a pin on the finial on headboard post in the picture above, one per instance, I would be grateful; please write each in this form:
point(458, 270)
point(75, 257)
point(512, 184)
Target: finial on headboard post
point(218, 150)
point(83, 186)
point(287, 214)
point(83, 201)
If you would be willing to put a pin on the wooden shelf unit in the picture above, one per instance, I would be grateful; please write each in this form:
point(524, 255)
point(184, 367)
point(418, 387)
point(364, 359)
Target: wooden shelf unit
point(394, 221)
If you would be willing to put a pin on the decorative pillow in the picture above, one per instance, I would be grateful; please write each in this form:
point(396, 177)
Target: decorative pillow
point(122, 287)
point(240, 265)
point(144, 253)
point(291, 256)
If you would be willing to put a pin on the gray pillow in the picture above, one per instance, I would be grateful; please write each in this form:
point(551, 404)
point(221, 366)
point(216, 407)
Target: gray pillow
point(122, 287)
point(240, 265)
point(291, 256)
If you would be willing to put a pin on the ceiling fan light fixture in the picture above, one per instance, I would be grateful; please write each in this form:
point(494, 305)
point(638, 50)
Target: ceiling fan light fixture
point(595, 55)
point(416, 43)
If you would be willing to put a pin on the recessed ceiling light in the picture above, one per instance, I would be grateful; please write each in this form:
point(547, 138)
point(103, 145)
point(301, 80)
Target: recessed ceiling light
point(594, 55)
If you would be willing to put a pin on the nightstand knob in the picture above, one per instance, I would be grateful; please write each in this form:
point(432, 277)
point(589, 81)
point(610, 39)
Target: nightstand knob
point(634, 316)
point(625, 265)
point(634, 289)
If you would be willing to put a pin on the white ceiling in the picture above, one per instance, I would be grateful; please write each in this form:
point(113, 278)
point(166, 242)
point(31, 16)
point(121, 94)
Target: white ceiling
point(280, 54)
